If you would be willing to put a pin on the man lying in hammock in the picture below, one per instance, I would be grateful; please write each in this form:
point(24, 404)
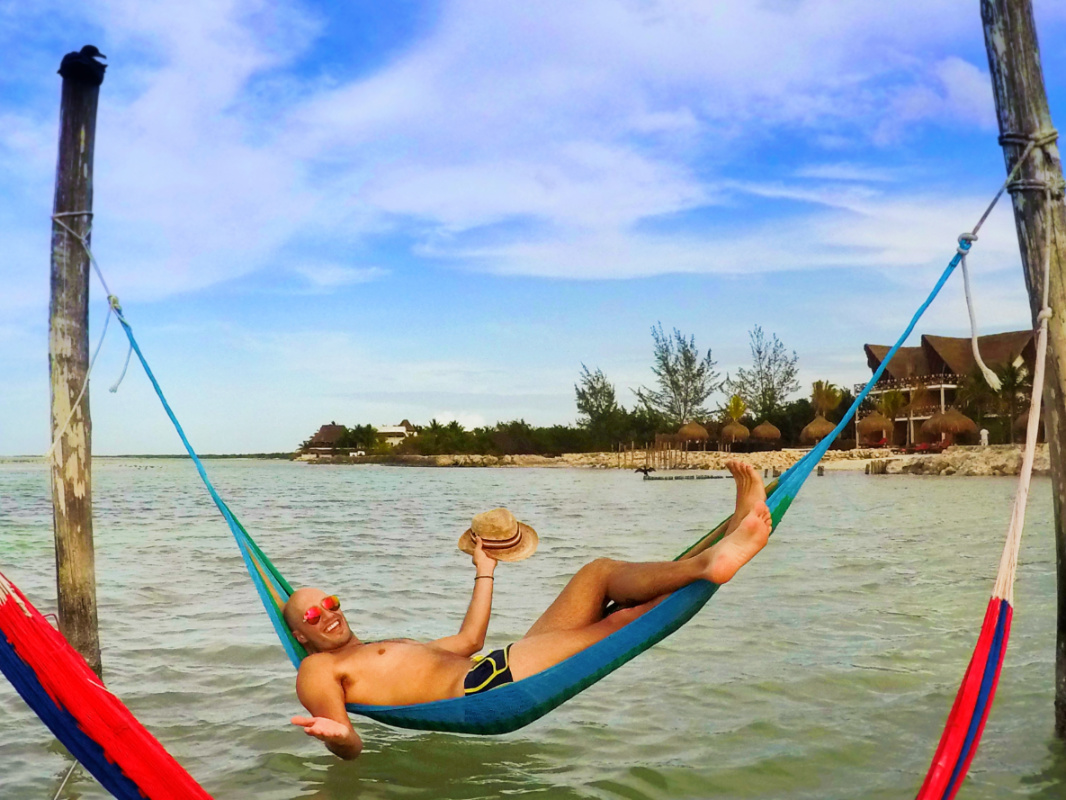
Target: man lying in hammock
point(342, 669)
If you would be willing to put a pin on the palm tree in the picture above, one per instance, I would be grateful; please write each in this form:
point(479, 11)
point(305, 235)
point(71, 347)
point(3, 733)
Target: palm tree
point(734, 431)
point(975, 396)
point(892, 403)
point(735, 408)
point(1015, 386)
point(825, 397)
point(921, 400)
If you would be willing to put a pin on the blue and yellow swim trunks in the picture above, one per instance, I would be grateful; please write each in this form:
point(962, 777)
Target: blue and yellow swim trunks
point(489, 671)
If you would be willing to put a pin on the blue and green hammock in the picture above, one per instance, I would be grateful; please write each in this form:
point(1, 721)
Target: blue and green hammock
point(505, 708)
point(515, 705)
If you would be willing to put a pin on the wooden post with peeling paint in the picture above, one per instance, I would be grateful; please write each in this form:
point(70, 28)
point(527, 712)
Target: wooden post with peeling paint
point(68, 355)
point(1022, 110)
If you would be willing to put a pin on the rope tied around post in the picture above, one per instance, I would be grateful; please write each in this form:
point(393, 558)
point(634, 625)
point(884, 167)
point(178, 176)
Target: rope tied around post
point(113, 307)
point(1008, 565)
point(1041, 139)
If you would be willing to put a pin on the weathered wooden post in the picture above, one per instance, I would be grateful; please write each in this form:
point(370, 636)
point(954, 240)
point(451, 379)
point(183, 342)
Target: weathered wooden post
point(1022, 109)
point(68, 354)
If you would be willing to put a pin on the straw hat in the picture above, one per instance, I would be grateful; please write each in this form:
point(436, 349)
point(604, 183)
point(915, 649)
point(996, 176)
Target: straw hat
point(502, 536)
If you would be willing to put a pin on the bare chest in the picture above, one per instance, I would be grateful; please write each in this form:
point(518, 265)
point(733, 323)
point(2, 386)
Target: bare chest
point(400, 672)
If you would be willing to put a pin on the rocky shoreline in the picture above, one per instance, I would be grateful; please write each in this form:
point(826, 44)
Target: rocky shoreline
point(967, 461)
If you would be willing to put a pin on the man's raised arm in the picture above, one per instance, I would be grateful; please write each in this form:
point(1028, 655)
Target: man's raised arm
point(323, 695)
point(471, 636)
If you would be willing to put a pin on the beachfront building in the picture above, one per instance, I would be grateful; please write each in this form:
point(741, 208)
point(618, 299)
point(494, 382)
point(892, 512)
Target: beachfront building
point(392, 435)
point(324, 442)
point(929, 375)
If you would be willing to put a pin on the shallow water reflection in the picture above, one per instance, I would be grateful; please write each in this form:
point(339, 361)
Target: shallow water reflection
point(824, 671)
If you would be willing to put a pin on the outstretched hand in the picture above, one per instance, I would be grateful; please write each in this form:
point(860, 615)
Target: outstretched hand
point(327, 730)
point(483, 562)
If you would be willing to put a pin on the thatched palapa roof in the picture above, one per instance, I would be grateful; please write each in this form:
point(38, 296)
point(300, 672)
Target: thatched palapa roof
point(955, 353)
point(817, 430)
point(908, 362)
point(691, 432)
point(766, 431)
point(875, 423)
point(327, 436)
point(952, 355)
point(951, 421)
point(735, 432)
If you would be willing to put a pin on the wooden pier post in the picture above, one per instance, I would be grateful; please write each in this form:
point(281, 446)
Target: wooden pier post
point(1023, 114)
point(68, 355)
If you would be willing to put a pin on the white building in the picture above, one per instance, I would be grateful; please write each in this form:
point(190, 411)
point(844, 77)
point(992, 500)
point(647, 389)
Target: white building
point(392, 435)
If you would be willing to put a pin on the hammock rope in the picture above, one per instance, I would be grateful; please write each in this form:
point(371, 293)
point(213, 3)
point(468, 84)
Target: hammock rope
point(517, 704)
point(969, 713)
point(514, 705)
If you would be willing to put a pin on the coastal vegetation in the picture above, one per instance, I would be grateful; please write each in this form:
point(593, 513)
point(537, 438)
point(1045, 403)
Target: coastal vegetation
point(686, 378)
point(766, 385)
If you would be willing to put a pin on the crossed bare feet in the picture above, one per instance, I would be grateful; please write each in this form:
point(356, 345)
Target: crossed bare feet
point(750, 492)
point(747, 531)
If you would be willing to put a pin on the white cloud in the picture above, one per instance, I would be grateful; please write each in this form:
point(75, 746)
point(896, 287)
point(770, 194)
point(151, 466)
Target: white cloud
point(844, 171)
point(565, 128)
point(332, 276)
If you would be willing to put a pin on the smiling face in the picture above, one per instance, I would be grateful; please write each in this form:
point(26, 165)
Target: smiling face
point(330, 632)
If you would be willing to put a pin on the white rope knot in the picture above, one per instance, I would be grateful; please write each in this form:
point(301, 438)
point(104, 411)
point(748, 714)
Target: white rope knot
point(965, 239)
point(1044, 314)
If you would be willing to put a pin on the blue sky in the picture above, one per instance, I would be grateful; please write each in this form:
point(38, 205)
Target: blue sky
point(364, 211)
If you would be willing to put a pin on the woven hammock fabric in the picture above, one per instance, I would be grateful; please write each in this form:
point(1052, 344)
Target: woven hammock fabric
point(966, 722)
point(92, 723)
point(516, 704)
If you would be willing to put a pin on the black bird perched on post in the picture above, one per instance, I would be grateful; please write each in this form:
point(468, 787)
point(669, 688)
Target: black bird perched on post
point(645, 470)
point(83, 66)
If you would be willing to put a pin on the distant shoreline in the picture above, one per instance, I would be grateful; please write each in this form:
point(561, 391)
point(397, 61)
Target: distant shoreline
point(205, 456)
point(957, 460)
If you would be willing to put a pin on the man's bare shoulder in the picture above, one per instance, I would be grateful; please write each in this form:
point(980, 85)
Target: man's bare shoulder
point(317, 667)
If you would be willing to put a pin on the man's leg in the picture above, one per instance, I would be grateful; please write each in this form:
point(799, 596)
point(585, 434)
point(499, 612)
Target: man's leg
point(575, 620)
point(583, 600)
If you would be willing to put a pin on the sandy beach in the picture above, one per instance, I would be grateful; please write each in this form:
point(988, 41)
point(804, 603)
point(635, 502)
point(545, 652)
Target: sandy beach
point(956, 460)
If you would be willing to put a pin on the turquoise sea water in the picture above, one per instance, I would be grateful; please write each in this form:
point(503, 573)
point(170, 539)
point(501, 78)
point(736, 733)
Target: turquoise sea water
point(825, 670)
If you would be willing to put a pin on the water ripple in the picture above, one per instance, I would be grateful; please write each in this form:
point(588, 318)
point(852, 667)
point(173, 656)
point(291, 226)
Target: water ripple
point(824, 671)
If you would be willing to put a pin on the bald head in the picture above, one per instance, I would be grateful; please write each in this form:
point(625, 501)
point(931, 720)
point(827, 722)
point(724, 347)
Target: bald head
point(329, 632)
point(298, 603)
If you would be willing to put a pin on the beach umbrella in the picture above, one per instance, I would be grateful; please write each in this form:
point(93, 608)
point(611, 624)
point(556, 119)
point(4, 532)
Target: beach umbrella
point(951, 422)
point(766, 431)
point(734, 432)
point(817, 430)
point(692, 432)
point(874, 424)
point(932, 425)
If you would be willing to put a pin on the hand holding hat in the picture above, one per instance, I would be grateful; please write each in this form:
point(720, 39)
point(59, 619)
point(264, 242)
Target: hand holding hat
point(502, 536)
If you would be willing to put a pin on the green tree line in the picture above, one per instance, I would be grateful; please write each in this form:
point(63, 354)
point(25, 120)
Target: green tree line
point(685, 380)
